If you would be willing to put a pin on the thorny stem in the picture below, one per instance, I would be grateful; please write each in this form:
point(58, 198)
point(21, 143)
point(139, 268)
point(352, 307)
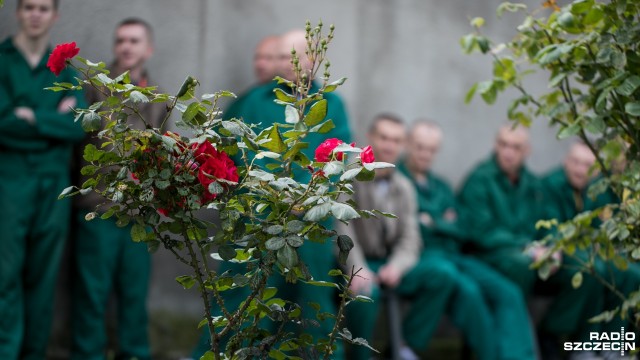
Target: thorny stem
point(205, 297)
point(341, 309)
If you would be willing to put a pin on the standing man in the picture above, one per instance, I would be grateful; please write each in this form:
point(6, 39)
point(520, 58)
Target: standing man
point(37, 133)
point(105, 257)
point(501, 201)
point(258, 107)
point(488, 308)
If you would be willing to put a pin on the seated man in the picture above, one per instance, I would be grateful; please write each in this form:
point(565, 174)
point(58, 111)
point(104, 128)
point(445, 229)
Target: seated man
point(566, 188)
point(483, 302)
point(501, 201)
point(388, 251)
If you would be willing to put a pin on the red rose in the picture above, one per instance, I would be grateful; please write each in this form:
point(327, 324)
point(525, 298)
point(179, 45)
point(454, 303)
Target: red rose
point(366, 156)
point(203, 151)
point(164, 212)
point(59, 56)
point(218, 166)
point(324, 151)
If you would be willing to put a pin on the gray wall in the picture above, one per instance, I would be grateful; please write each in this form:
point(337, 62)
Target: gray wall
point(401, 56)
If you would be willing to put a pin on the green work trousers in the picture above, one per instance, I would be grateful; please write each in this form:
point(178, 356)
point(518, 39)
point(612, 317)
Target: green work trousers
point(571, 308)
point(34, 226)
point(106, 260)
point(486, 307)
point(319, 259)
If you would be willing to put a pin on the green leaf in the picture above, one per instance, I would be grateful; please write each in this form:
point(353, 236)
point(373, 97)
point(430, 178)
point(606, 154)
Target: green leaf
point(568, 131)
point(318, 212)
point(576, 280)
point(91, 122)
point(138, 233)
point(291, 115)
point(323, 128)
point(366, 175)
point(343, 212)
point(295, 241)
point(287, 256)
point(162, 184)
point(350, 174)
point(215, 188)
point(317, 113)
point(333, 168)
point(629, 86)
point(322, 283)
point(209, 355)
point(66, 192)
point(138, 97)
point(226, 252)
point(632, 108)
point(470, 93)
point(345, 243)
point(510, 7)
point(187, 89)
point(187, 282)
point(274, 229)
point(284, 96)
point(268, 293)
point(477, 22)
point(275, 243)
point(275, 142)
point(190, 113)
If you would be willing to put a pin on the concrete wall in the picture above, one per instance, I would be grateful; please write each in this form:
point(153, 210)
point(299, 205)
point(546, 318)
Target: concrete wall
point(401, 56)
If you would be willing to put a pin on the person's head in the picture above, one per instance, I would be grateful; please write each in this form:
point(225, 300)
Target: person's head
point(36, 17)
point(294, 39)
point(387, 136)
point(423, 142)
point(577, 164)
point(265, 58)
point(512, 148)
point(133, 43)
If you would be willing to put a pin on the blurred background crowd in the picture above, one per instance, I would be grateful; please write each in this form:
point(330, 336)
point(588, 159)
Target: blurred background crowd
point(399, 56)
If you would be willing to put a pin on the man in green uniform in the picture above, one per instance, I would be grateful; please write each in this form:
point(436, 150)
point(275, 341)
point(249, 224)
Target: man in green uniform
point(488, 308)
point(105, 257)
point(566, 188)
point(258, 107)
point(37, 133)
point(501, 201)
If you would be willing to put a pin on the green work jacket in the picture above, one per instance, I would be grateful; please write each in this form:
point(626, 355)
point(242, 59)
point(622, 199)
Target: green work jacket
point(435, 198)
point(45, 146)
point(497, 213)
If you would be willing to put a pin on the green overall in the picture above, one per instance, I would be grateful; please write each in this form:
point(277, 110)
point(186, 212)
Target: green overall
point(488, 308)
point(106, 261)
point(258, 107)
point(500, 217)
point(33, 222)
point(564, 204)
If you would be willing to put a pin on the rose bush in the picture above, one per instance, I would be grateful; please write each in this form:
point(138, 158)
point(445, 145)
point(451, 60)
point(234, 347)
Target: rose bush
point(266, 212)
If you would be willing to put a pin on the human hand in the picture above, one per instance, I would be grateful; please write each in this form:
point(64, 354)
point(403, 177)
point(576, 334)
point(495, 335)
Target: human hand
point(66, 104)
point(25, 114)
point(389, 276)
point(362, 283)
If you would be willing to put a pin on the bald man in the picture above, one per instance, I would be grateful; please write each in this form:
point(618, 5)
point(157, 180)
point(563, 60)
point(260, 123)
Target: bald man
point(501, 201)
point(489, 309)
point(258, 107)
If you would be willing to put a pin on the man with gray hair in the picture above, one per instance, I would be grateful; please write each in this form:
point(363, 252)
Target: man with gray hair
point(501, 202)
point(489, 309)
